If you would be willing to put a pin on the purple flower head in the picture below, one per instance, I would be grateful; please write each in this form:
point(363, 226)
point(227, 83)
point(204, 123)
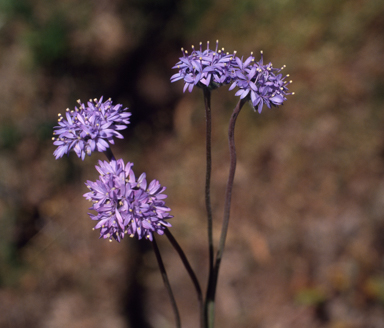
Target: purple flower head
point(204, 68)
point(124, 205)
point(89, 127)
point(261, 84)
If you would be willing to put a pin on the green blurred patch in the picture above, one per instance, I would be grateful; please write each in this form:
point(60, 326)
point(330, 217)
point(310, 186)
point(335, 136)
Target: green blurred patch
point(310, 296)
point(49, 41)
point(10, 264)
point(374, 288)
point(11, 8)
point(9, 136)
point(44, 130)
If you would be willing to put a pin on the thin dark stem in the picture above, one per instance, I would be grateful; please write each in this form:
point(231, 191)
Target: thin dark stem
point(191, 273)
point(109, 154)
point(208, 120)
point(211, 293)
point(166, 283)
point(208, 116)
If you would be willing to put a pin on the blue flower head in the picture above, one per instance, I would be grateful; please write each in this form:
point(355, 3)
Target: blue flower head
point(203, 68)
point(124, 205)
point(89, 128)
point(261, 84)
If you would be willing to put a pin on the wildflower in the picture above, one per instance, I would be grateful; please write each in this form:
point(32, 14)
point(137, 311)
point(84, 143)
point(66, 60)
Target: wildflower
point(125, 205)
point(89, 127)
point(203, 68)
point(261, 84)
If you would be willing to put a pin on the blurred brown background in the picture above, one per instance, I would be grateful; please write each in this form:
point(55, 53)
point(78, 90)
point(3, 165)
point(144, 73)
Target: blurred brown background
point(306, 240)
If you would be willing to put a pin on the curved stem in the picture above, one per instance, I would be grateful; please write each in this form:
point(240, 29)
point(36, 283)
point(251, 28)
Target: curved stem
point(211, 293)
point(190, 271)
point(109, 154)
point(166, 283)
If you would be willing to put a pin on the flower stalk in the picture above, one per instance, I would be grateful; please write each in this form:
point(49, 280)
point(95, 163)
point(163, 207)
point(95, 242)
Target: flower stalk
point(208, 118)
point(166, 283)
point(191, 274)
point(212, 285)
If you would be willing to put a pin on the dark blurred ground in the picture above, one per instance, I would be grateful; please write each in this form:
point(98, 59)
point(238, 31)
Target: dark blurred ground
point(305, 246)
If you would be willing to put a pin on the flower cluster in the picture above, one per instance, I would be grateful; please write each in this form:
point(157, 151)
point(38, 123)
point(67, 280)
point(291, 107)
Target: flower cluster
point(125, 205)
point(204, 68)
point(260, 84)
point(89, 127)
